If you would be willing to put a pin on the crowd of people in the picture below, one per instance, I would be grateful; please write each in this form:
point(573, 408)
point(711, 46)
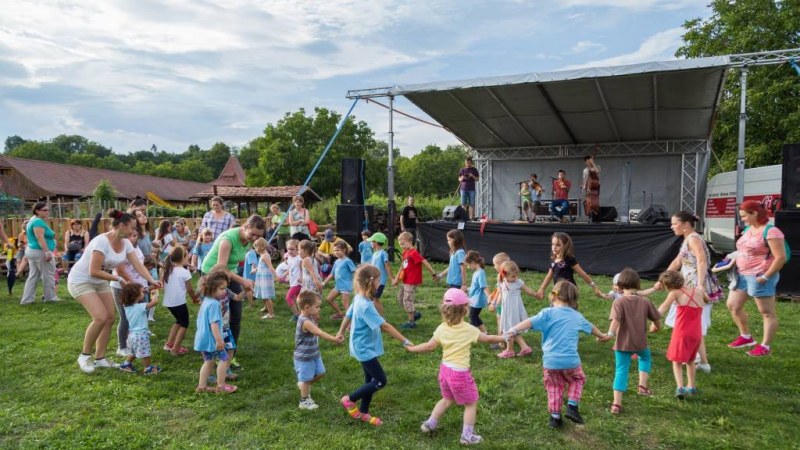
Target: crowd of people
point(126, 272)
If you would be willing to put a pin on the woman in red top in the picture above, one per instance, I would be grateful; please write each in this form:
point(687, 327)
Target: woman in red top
point(758, 263)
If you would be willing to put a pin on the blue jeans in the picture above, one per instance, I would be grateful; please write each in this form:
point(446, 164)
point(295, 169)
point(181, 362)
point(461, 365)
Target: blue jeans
point(623, 363)
point(374, 380)
point(559, 208)
point(467, 198)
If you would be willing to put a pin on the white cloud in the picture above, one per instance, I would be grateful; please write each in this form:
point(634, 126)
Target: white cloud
point(583, 46)
point(639, 5)
point(658, 47)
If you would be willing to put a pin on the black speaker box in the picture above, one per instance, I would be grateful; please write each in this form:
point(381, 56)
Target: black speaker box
point(353, 181)
point(353, 240)
point(353, 219)
point(455, 212)
point(789, 223)
point(790, 182)
point(608, 213)
point(654, 214)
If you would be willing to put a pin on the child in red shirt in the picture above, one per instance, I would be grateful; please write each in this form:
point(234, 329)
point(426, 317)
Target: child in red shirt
point(411, 275)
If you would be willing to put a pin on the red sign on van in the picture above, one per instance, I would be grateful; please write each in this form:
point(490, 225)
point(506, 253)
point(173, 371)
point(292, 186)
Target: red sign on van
point(725, 207)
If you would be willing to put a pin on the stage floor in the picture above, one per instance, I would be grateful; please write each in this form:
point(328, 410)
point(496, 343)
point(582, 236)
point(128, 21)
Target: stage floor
point(600, 248)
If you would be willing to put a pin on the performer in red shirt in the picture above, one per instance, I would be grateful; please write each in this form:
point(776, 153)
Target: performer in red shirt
point(560, 205)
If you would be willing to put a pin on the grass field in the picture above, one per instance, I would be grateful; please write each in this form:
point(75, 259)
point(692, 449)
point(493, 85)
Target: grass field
point(46, 402)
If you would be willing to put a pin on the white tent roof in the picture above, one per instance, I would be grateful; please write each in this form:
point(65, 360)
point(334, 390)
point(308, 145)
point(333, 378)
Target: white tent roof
point(656, 101)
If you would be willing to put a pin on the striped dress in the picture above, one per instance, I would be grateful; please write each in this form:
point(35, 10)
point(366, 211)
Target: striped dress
point(308, 282)
point(265, 282)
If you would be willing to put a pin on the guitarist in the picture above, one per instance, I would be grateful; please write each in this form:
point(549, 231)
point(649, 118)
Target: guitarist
point(591, 189)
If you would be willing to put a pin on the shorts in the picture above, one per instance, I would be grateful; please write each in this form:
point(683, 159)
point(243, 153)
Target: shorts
point(292, 293)
point(139, 344)
point(227, 337)
point(405, 296)
point(222, 355)
point(308, 370)
point(468, 198)
point(69, 256)
point(181, 314)
point(379, 291)
point(753, 288)
point(457, 385)
point(78, 289)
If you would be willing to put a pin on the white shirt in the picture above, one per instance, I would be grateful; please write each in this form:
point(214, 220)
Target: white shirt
point(175, 289)
point(80, 271)
point(132, 273)
point(295, 267)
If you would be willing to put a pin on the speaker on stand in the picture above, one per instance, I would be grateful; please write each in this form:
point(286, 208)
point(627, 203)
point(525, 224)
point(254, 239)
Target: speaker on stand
point(790, 180)
point(653, 215)
point(353, 219)
point(788, 221)
point(353, 179)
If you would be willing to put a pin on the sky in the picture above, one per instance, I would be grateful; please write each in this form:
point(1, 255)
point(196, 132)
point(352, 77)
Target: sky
point(131, 74)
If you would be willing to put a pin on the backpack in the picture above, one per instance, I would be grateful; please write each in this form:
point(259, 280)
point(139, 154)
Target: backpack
point(786, 248)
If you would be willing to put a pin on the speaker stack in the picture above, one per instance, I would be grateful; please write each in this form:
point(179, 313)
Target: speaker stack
point(788, 218)
point(352, 215)
point(653, 215)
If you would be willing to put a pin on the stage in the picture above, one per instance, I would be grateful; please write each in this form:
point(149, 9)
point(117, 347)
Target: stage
point(600, 248)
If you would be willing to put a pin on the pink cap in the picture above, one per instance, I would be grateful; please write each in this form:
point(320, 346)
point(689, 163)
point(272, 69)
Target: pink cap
point(455, 296)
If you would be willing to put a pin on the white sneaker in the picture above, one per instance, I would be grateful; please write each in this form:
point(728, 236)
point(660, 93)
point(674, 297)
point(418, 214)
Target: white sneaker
point(697, 359)
point(85, 363)
point(150, 319)
point(308, 403)
point(123, 352)
point(704, 367)
point(104, 363)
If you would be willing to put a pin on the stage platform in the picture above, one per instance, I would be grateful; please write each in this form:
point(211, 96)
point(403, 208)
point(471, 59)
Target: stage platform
point(600, 248)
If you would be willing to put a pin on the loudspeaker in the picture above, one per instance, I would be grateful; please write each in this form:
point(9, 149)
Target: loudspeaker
point(654, 214)
point(455, 212)
point(790, 181)
point(353, 240)
point(353, 219)
point(352, 181)
point(608, 213)
point(789, 222)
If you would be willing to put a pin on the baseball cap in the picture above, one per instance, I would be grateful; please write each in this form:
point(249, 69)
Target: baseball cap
point(455, 296)
point(379, 237)
point(329, 235)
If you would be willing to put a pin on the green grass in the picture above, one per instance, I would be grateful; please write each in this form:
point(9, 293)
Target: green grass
point(45, 401)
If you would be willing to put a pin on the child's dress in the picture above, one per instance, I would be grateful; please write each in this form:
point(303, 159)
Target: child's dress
point(265, 282)
point(687, 333)
point(308, 282)
point(513, 311)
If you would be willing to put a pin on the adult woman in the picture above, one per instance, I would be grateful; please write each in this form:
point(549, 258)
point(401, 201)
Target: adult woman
point(218, 220)
point(760, 259)
point(144, 229)
point(229, 250)
point(279, 218)
point(299, 219)
point(164, 237)
point(41, 243)
point(88, 284)
point(75, 240)
point(693, 262)
point(182, 235)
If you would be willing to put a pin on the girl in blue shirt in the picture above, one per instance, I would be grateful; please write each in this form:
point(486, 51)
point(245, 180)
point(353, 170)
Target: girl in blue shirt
point(478, 289)
point(366, 344)
point(456, 270)
point(343, 270)
point(208, 339)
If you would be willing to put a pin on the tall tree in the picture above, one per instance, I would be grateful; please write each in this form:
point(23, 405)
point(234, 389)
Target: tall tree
point(13, 142)
point(746, 26)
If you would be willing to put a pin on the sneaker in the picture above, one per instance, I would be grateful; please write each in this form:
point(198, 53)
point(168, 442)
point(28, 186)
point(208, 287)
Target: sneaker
point(231, 375)
point(123, 352)
point(152, 370)
point(471, 440)
point(104, 363)
point(308, 404)
point(703, 367)
point(235, 364)
point(150, 319)
point(690, 391)
point(417, 315)
point(263, 310)
point(267, 316)
point(409, 325)
point(426, 427)
point(573, 414)
point(555, 422)
point(85, 363)
point(127, 367)
point(758, 351)
point(680, 393)
point(740, 342)
point(151, 333)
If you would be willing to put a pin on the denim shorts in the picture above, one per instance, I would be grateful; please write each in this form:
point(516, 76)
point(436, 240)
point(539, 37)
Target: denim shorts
point(308, 370)
point(468, 198)
point(222, 355)
point(753, 288)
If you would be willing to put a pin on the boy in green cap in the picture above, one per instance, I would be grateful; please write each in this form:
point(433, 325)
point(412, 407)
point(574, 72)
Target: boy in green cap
point(380, 259)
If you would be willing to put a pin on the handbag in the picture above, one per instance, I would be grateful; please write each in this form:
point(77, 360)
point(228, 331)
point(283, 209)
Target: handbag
point(74, 247)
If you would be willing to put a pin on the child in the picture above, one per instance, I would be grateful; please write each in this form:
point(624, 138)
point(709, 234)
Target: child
point(138, 346)
point(380, 260)
point(152, 266)
point(564, 265)
point(307, 359)
point(365, 247)
point(525, 198)
point(495, 300)
point(560, 325)
point(411, 275)
point(208, 339)
point(310, 279)
point(282, 272)
point(366, 344)
point(264, 278)
point(687, 333)
point(164, 238)
point(456, 271)
point(455, 379)
point(225, 300)
point(177, 283)
point(513, 311)
point(294, 261)
point(616, 292)
point(205, 241)
point(249, 272)
point(629, 316)
point(478, 289)
point(116, 290)
point(343, 270)
point(155, 248)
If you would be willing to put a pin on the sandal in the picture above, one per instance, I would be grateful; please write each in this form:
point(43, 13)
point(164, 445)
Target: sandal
point(647, 392)
point(350, 407)
point(372, 420)
point(525, 351)
point(506, 354)
point(616, 409)
point(226, 389)
point(203, 389)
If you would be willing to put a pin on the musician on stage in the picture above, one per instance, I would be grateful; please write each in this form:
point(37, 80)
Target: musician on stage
point(467, 177)
point(537, 192)
point(559, 207)
point(591, 189)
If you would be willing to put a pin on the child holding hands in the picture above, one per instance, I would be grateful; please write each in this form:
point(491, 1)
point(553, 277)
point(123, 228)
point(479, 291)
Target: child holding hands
point(478, 289)
point(513, 312)
point(342, 272)
point(264, 287)
point(564, 266)
point(560, 325)
point(208, 338)
point(456, 272)
point(138, 344)
point(455, 379)
point(411, 275)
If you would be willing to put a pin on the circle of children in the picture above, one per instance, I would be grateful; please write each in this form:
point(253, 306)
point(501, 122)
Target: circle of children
point(364, 319)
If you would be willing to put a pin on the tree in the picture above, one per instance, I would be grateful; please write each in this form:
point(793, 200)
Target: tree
point(13, 142)
point(432, 171)
point(42, 151)
point(104, 193)
point(772, 91)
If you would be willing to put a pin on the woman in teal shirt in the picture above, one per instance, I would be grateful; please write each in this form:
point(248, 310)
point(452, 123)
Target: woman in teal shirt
point(42, 263)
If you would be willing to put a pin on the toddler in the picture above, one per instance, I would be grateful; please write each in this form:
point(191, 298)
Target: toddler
point(208, 340)
point(343, 270)
point(365, 247)
point(294, 262)
point(177, 283)
point(205, 241)
point(264, 286)
point(495, 300)
point(513, 311)
point(138, 334)
point(478, 289)
point(411, 276)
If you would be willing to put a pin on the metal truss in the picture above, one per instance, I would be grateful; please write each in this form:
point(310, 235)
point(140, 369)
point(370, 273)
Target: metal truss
point(764, 58)
point(689, 178)
point(484, 194)
point(607, 149)
point(369, 93)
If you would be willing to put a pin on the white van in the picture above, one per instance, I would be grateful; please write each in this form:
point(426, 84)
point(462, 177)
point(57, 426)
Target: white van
point(761, 183)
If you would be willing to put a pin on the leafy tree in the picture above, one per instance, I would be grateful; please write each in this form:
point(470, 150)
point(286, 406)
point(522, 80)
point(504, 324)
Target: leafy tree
point(748, 26)
point(13, 142)
point(42, 151)
point(104, 193)
point(432, 171)
point(217, 156)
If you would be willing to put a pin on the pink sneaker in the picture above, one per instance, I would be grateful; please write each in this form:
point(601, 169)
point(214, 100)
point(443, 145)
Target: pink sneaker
point(759, 350)
point(740, 342)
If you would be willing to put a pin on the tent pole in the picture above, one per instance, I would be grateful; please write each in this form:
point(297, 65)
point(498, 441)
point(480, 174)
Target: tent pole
point(740, 157)
point(390, 183)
